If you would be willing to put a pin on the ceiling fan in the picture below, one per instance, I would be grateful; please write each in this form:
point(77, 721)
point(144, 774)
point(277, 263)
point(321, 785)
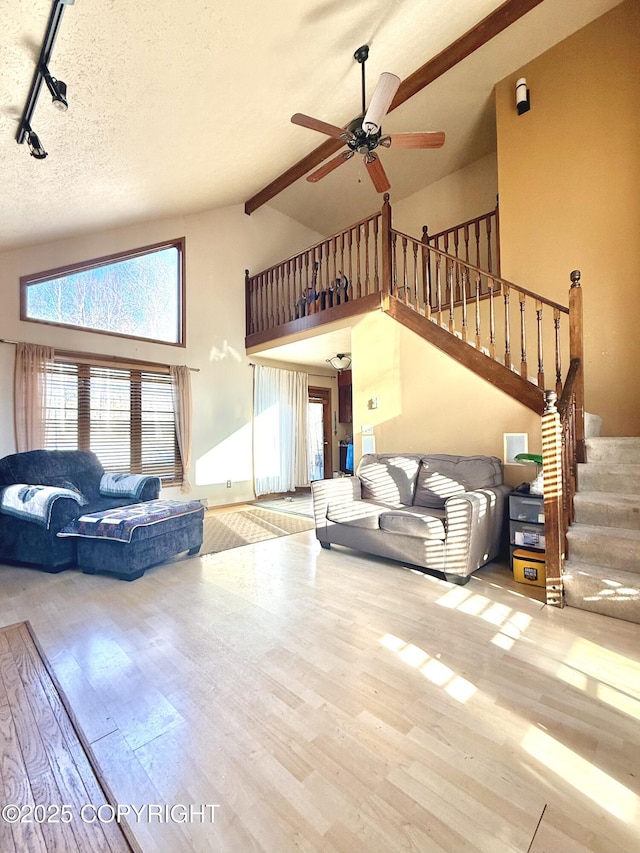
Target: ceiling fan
point(364, 133)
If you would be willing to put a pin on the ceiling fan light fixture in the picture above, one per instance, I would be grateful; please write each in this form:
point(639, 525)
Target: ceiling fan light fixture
point(340, 362)
point(380, 102)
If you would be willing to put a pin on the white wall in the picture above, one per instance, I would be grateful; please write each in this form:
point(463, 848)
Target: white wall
point(220, 244)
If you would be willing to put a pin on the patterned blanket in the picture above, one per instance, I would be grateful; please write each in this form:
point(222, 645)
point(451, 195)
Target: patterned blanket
point(120, 523)
point(124, 485)
point(34, 503)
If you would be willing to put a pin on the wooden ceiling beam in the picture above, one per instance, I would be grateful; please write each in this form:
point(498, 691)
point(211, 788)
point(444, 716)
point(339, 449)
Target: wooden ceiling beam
point(501, 18)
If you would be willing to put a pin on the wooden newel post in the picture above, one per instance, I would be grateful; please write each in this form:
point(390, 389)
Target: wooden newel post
point(385, 247)
point(553, 526)
point(247, 302)
point(576, 351)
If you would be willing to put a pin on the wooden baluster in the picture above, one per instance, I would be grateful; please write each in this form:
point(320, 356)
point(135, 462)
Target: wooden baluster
point(376, 249)
point(416, 278)
point(489, 262)
point(540, 358)
point(248, 313)
point(556, 326)
point(465, 278)
point(332, 286)
point(267, 300)
point(478, 290)
point(523, 337)
point(358, 241)
point(456, 244)
point(327, 270)
point(450, 285)
point(496, 249)
point(366, 258)
point(466, 243)
point(394, 264)
point(439, 289)
point(507, 328)
point(426, 272)
point(350, 241)
point(476, 228)
point(492, 318)
point(405, 277)
point(279, 287)
point(305, 289)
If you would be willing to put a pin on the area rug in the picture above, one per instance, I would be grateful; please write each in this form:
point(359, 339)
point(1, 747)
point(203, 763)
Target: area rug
point(244, 527)
point(46, 760)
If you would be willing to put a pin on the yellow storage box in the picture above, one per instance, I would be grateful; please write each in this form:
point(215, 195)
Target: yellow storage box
point(528, 567)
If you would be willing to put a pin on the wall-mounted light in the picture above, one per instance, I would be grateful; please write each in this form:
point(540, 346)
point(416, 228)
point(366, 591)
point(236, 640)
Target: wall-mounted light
point(340, 362)
point(35, 146)
point(523, 98)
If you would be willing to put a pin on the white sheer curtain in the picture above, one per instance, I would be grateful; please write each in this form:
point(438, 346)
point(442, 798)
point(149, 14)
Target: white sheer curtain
point(280, 452)
point(182, 407)
point(30, 394)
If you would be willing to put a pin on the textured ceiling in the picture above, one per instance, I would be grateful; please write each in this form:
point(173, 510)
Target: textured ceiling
point(181, 107)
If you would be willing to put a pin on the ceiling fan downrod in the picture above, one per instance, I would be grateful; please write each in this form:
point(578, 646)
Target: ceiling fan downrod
point(361, 55)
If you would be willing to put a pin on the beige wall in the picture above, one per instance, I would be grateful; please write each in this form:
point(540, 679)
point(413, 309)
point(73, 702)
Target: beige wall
point(460, 196)
point(220, 244)
point(569, 179)
point(427, 401)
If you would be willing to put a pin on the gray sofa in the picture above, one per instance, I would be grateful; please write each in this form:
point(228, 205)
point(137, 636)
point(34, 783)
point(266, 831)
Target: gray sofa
point(435, 511)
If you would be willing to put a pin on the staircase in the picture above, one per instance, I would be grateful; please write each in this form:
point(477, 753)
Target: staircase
point(602, 573)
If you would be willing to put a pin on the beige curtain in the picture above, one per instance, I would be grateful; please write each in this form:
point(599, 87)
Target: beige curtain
point(29, 394)
point(181, 383)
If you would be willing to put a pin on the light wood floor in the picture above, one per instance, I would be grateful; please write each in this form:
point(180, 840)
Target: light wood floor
point(328, 702)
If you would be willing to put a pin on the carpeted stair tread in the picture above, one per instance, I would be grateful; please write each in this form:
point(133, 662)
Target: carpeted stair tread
point(602, 589)
point(609, 477)
point(609, 546)
point(608, 509)
point(624, 450)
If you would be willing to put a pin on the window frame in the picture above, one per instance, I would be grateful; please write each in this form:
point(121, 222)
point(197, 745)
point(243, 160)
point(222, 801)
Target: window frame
point(84, 362)
point(179, 243)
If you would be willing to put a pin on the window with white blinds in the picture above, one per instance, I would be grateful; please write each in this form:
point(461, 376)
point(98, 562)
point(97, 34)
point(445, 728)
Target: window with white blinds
point(123, 414)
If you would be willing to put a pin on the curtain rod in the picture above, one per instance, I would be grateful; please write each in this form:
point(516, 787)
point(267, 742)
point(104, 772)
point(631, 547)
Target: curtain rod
point(315, 375)
point(87, 354)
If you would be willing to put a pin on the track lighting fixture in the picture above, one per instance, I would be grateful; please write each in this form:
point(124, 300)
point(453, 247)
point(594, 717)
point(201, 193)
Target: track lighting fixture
point(58, 90)
point(35, 146)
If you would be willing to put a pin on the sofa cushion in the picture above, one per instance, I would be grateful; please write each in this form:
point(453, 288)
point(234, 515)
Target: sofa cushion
point(389, 477)
point(356, 513)
point(441, 476)
point(412, 524)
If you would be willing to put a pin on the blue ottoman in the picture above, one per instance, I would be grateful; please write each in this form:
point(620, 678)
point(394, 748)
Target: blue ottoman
point(126, 541)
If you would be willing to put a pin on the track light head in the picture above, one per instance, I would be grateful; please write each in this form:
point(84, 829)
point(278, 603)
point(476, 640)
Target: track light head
point(58, 91)
point(35, 146)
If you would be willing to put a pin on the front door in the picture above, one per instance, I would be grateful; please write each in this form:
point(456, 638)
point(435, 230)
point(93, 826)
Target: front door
point(319, 431)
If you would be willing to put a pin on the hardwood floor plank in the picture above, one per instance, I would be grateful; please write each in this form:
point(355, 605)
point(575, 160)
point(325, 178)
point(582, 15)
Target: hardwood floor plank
point(329, 702)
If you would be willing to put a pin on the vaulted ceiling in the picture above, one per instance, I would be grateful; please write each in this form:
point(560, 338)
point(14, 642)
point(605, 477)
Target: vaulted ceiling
point(181, 107)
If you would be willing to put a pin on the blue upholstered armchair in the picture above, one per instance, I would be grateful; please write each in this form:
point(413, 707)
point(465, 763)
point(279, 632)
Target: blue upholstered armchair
point(75, 476)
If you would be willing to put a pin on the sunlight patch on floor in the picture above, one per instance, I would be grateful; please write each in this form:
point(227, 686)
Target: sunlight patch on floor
point(582, 775)
point(432, 668)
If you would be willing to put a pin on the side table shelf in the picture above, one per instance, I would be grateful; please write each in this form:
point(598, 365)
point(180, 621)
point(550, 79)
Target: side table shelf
point(527, 538)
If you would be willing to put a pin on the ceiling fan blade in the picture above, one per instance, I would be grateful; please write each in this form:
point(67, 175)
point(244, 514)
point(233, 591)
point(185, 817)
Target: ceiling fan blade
point(329, 166)
point(428, 139)
point(321, 126)
point(380, 102)
point(377, 173)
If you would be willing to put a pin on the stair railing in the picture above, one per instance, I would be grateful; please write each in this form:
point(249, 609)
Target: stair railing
point(476, 241)
point(507, 322)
